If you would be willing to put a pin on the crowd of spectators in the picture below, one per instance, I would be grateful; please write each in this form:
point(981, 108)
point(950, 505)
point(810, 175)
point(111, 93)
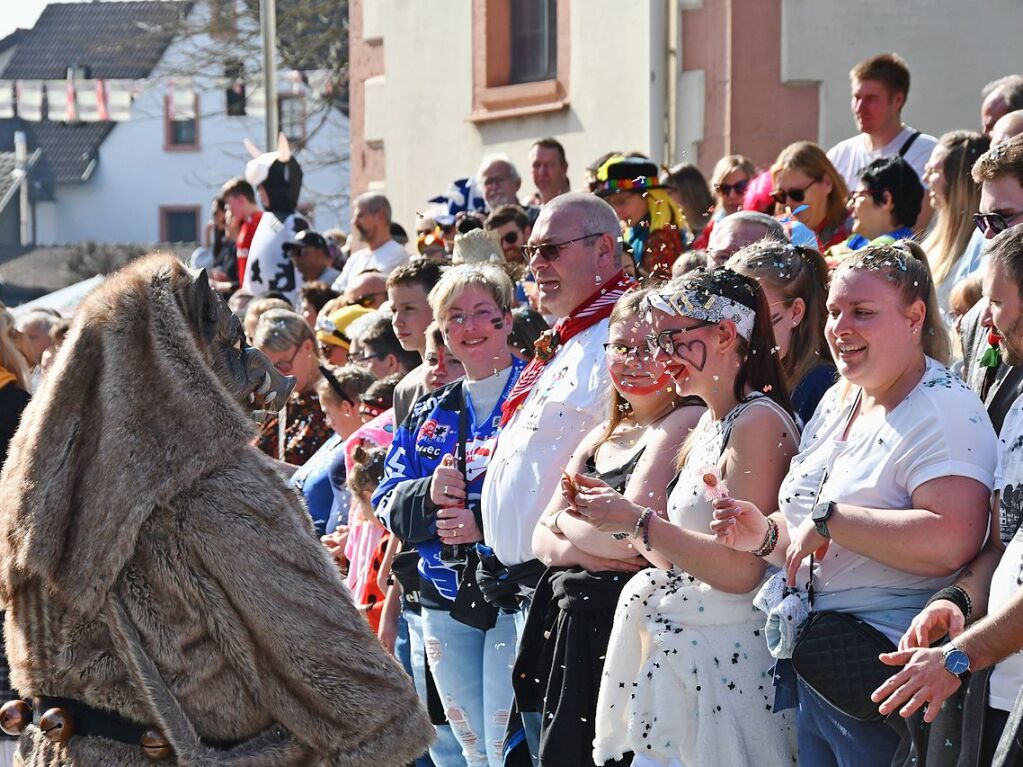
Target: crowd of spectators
point(613, 471)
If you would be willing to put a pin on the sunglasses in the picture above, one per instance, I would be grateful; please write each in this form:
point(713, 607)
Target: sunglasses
point(367, 300)
point(739, 187)
point(796, 195)
point(510, 238)
point(993, 223)
point(551, 251)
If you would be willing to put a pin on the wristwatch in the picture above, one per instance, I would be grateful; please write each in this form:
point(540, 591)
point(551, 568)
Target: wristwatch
point(821, 514)
point(957, 662)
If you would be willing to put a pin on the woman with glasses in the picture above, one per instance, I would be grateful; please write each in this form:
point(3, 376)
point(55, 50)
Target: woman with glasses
point(430, 498)
point(954, 243)
point(301, 428)
point(729, 180)
point(808, 188)
point(887, 499)
point(795, 281)
point(560, 659)
point(686, 676)
point(321, 480)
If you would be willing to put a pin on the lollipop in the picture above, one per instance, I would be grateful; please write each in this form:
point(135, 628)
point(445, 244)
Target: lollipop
point(713, 487)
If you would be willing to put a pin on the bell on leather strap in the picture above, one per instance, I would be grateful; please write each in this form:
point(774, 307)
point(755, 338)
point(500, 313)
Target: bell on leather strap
point(57, 725)
point(15, 716)
point(155, 746)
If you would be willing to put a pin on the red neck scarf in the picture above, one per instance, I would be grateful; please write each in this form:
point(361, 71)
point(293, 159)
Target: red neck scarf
point(591, 311)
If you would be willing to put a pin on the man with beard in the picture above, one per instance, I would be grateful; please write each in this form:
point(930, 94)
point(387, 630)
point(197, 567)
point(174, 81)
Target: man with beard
point(371, 216)
point(987, 591)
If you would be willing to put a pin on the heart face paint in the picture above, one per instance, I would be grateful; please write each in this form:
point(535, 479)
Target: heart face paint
point(693, 353)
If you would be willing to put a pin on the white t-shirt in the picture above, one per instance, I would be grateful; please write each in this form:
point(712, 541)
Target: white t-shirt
point(854, 154)
point(567, 401)
point(1007, 677)
point(940, 429)
point(384, 259)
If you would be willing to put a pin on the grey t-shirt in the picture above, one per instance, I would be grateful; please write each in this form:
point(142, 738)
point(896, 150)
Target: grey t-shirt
point(485, 392)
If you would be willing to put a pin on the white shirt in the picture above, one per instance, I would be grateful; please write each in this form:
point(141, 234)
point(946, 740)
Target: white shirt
point(939, 430)
point(1007, 677)
point(384, 259)
point(854, 154)
point(568, 400)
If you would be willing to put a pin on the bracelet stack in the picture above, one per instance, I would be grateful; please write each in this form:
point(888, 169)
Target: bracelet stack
point(643, 525)
point(770, 540)
point(956, 595)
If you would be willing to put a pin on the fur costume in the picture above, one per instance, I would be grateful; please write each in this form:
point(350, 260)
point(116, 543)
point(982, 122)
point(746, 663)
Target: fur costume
point(269, 266)
point(154, 564)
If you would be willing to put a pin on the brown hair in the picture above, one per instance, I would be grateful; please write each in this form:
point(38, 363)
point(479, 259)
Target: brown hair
point(904, 264)
point(806, 157)
point(795, 272)
point(552, 143)
point(317, 294)
point(965, 294)
point(954, 226)
point(1006, 159)
point(890, 69)
point(1006, 249)
point(693, 191)
point(352, 380)
point(238, 186)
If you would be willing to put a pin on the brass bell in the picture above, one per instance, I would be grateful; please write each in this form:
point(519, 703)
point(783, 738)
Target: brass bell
point(15, 716)
point(155, 746)
point(57, 725)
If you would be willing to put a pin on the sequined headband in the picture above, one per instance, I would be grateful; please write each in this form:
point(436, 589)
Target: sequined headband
point(709, 308)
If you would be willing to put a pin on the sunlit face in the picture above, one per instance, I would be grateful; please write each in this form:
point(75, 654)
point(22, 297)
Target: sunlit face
point(500, 184)
point(934, 177)
point(634, 371)
point(411, 316)
point(1006, 311)
point(368, 225)
point(691, 340)
point(1004, 196)
point(342, 417)
point(549, 172)
point(872, 333)
point(730, 191)
point(815, 195)
point(477, 331)
point(298, 361)
point(631, 207)
point(512, 239)
point(441, 367)
point(571, 277)
point(871, 218)
point(874, 106)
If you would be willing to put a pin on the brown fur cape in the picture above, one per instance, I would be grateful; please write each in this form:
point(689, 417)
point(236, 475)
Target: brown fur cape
point(154, 564)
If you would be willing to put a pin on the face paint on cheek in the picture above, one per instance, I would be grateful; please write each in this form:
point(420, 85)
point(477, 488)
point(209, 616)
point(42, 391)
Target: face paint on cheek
point(497, 322)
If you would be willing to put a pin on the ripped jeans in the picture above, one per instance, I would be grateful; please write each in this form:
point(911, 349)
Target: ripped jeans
point(473, 672)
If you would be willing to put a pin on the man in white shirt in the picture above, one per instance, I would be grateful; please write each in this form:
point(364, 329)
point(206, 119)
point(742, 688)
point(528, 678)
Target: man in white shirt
point(371, 216)
point(989, 586)
point(880, 86)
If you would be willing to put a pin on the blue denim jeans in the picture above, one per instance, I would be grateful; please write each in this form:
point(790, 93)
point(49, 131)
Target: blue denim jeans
point(829, 738)
point(473, 670)
point(446, 751)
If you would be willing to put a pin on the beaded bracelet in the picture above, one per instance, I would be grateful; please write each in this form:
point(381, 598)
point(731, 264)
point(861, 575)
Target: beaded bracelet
point(770, 540)
point(956, 595)
point(639, 522)
point(645, 520)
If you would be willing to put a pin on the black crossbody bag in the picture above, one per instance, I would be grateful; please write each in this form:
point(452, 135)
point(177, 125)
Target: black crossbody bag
point(836, 653)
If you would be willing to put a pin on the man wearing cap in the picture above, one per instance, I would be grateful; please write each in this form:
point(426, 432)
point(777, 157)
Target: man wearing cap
point(653, 226)
point(331, 333)
point(311, 254)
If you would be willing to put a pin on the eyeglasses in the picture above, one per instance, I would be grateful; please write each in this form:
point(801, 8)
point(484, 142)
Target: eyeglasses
point(993, 223)
point(510, 238)
point(797, 195)
point(284, 366)
point(665, 340)
point(551, 251)
point(622, 353)
point(366, 300)
point(364, 359)
point(739, 187)
point(335, 385)
point(859, 194)
point(484, 316)
point(495, 180)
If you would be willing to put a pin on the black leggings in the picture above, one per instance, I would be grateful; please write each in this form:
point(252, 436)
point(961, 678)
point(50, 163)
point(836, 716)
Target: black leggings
point(994, 724)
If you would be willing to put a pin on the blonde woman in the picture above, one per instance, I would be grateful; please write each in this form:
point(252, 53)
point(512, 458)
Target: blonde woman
point(954, 244)
point(731, 175)
point(804, 177)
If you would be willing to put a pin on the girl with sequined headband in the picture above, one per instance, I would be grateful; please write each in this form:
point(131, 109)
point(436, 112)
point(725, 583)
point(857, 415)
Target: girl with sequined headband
point(685, 675)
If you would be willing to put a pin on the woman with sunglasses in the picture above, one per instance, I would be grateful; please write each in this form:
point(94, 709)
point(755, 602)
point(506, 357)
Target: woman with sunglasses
point(888, 496)
point(795, 281)
point(561, 654)
point(730, 178)
point(301, 428)
point(954, 243)
point(321, 480)
point(430, 498)
point(803, 177)
point(686, 675)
